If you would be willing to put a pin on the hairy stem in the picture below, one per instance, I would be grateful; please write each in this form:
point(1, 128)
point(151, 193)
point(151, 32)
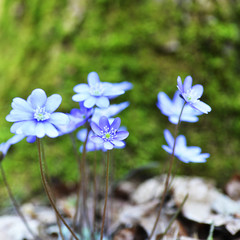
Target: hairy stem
point(49, 180)
point(106, 196)
point(168, 174)
point(15, 204)
point(46, 188)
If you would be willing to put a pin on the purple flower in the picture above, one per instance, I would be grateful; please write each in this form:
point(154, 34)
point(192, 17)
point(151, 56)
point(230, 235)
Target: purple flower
point(95, 92)
point(92, 146)
point(77, 118)
point(192, 94)
point(108, 134)
point(172, 108)
point(36, 116)
point(182, 151)
point(111, 111)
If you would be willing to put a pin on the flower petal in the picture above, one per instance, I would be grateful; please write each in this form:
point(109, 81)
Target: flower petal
point(121, 135)
point(37, 98)
point(187, 83)
point(116, 123)
point(40, 130)
point(169, 138)
point(102, 102)
point(90, 102)
point(82, 134)
point(96, 139)
point(16, 138)
point(21, 104)
point(18, 115)
point(50, 130)
point(201, 106)
point(179, 84)
point(167, 149)
point(31, 139)
point(28, 128)
point(80, 97)
point(58, 118)
point(164, 104)
point(118, 143)
point(96, 129)
point(53, 103)
point(108, 145)
point(103, 122)
point(81, 88)
point(93, 78)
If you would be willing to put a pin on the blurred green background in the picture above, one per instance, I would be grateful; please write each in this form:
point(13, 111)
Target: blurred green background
point(54, 45)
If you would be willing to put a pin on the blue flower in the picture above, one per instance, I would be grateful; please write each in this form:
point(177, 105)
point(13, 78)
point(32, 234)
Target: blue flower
point(95, 92)
point(111, 111)
point(192, 94)
point(92, 146)
point(108, 134)
point(36, 116)
point(77, 118)
point(172, 108)
point(182, 151)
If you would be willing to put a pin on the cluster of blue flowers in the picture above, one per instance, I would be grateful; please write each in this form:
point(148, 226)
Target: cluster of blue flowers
point(185, 106)
point(36, 117)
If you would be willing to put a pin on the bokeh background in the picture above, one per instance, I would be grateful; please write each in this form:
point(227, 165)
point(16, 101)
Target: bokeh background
point(54, 44)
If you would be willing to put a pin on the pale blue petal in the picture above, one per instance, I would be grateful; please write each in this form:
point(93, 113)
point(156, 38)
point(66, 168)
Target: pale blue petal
point(187, 83)
point(103, 122)
point(16, 138)
point(15, 126)
point(82, 134)
point(40, 130)
point(181, 141)
point(37, 98)
point(90, 102)
point(81, 88)
point(188, 118)
point(201, 106)
point(80, 97)
point(179, 84)
point(121, 135)
point(50, 130)
point(17, 115)
point(93, 78)
point(116, 123)
point(28, 128)
point(96, 129)
point(167, 149)
point(198, 90)
point(118, 143)
point(58, 118)
point(102, 102)
point(164, 104)
point(168, 137)
point(21, 104)
point(53, 102)
point(111, 92)
point(96, 139)
point(108, 145)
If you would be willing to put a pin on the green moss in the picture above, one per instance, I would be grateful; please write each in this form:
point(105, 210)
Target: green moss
point(54, 45)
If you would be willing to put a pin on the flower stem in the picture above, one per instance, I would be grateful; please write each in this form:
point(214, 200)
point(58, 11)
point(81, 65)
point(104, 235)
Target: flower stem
point(15, 204)
point(106, 196)
point(168, 174)
point(46, 188)
point(49, 180)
